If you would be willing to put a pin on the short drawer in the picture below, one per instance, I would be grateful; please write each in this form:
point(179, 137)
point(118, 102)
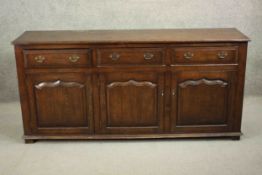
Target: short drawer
point(130, 57)
point(57, 58)
point(208, 55)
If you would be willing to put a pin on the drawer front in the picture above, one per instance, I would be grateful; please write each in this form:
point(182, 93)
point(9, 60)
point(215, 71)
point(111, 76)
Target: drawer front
point(200, 55)
point(57, 58)
point(130, 57)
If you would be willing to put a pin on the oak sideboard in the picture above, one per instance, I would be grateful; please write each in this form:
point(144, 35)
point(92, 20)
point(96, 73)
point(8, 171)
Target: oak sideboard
point(131, 84)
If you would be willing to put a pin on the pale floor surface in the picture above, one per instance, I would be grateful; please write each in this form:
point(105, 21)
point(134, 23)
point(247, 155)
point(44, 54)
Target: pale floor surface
point(161, 157)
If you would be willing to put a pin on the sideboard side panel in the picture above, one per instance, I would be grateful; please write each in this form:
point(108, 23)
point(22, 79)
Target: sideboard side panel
point(240, 87)
point(23, 90)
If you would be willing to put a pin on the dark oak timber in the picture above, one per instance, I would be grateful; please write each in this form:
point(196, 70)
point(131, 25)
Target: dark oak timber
point(131, 84)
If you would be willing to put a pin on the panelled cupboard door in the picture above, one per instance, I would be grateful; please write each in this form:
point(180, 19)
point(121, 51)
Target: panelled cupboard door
point(131, 103)
point(202, 101)
point(61, 103)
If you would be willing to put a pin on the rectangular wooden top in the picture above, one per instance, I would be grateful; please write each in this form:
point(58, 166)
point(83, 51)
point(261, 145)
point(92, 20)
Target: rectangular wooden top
point(131, 36)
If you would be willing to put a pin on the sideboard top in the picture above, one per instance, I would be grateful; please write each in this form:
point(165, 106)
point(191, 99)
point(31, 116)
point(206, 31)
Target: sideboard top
point(131, 36)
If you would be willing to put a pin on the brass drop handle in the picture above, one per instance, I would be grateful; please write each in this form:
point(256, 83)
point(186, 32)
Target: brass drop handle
point(148, 56)
point(114, 56)
point(222, 54)
point(188, 55)
point(173, 92)
point(73, 58)
point(40, 59)
point(162, 93)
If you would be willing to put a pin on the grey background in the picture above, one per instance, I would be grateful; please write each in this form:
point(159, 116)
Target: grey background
point(16, 16)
